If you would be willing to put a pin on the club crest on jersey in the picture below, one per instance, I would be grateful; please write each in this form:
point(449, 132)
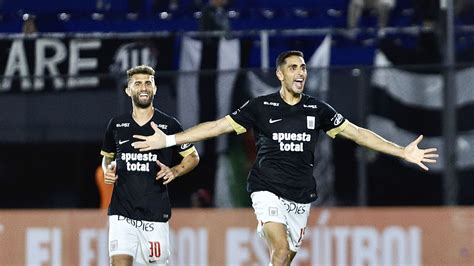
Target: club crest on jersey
point(310, 122)
point(123, 125)
point(164, 127)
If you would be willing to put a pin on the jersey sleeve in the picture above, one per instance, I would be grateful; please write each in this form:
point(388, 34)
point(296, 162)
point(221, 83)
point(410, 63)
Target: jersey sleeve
point(244, 117)
point(108, 144)
point(183, 149)
point(332, 122)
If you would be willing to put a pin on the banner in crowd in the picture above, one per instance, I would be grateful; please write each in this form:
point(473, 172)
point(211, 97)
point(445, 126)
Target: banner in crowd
point(346, 236)
point(407, 103)
point(72, 63)
point(209, 70)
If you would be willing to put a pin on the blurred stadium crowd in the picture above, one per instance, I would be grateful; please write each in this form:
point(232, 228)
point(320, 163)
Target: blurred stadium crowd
point(182, 15)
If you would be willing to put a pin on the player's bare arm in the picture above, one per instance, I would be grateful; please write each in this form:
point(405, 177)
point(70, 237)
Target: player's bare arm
point(410, 153)
point(187, 164)
point(199, 132)
point(108, 166)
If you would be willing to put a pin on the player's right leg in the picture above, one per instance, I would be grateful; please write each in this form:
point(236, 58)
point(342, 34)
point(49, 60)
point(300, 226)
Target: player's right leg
point(121, 260)
point(123, 240)
point(270, 214)
point(276, 237)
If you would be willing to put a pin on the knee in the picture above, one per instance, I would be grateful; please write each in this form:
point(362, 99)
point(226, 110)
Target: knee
point(281, 255)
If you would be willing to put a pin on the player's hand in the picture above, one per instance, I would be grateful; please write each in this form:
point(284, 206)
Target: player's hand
point(110, 175)
point(419, 156)
point(153, 142)
point(166, 173)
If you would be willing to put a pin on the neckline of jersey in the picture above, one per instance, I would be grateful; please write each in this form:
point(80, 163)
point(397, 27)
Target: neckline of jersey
point(280, 97)
point(147, 122)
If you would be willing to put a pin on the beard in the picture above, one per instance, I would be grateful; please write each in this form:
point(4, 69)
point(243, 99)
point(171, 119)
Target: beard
point(142, 103)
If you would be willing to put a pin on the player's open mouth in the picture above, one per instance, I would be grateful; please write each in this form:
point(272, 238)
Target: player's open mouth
point(299, 82)
point(143, 95)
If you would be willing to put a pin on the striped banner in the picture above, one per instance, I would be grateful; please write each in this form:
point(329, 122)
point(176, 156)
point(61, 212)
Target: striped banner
point(406, 104)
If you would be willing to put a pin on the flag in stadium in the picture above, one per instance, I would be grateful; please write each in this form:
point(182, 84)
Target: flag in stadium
point(407, 103)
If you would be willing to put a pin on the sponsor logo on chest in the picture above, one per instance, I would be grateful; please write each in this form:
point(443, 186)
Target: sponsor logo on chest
point(312, 106)
point(271, 103)
point(123, 125)
point(138, 162)
point(291, 141)
point(162, 126)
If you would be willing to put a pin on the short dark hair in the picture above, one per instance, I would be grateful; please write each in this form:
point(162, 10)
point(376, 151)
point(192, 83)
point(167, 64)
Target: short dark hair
point(141, 69)
point(281, 59)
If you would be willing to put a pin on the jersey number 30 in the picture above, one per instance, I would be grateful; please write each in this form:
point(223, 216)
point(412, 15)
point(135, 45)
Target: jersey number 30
point(155, 250)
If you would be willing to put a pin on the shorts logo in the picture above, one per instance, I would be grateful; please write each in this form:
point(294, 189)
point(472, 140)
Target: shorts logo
point(295, 208)
point(272, 211)
point(310, 121)
point(113, 245)
point(142, 225)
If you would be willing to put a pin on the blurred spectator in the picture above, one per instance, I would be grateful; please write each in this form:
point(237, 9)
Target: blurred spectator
point(429, 46)
point(382, 8)
point(136, 6)
point(105, 190)
point(168, 5)
point(426, 11)
point(103, 5)
point(29, 24)
point(427, 49)
point(201, 199)
point(464, 8)
point(150, 7)
point(214, 16)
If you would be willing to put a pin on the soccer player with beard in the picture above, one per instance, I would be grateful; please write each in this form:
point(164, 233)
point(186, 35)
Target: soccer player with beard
point(286, 126)
point(140, 208)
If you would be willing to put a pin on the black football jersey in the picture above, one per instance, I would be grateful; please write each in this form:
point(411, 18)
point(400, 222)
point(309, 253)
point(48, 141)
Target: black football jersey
point(137, 194)
point(286, 138)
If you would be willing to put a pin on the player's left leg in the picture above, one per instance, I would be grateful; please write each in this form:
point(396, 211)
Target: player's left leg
point(296, 219)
